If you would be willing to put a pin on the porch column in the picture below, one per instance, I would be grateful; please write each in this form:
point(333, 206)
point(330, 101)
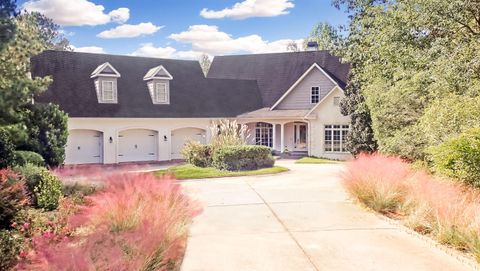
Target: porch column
point(274, 137)
point(282, 137)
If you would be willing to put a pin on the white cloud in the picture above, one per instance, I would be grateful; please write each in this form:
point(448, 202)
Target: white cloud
point(120, 15)
point(129, 31)
point(149, 50)
point(251, 8)
point(89, 49)
point(76, 13)
point(207, 38)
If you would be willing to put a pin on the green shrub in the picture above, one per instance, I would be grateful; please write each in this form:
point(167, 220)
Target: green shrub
point(28, 157)
point(243, 157)
point(40, 182)
point(12, 197)
point(228, 133)
point(10, 246)
point(78, 191)
point(7, 157)
point(459, 157)
point(48, 191)
point(197, 154)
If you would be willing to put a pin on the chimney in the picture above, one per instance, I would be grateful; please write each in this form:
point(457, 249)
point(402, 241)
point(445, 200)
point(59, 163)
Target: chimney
point(312, 46)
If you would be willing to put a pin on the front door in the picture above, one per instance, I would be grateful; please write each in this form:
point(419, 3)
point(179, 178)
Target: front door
point(300, 137)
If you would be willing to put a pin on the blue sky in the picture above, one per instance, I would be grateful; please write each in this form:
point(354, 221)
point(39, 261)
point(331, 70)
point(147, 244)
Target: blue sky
point(186, 28)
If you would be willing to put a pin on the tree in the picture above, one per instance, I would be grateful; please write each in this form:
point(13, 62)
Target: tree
point(7, 25)
point(47, 130)
point(325, 35)
point(7, 156)
point(292, 46)
point(205, 63)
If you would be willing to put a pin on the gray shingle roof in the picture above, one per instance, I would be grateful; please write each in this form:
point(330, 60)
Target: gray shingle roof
point(191, 94)
point(276, 73)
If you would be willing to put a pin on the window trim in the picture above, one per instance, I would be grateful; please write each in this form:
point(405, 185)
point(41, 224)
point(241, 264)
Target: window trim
point(166, 96)
point(104, 82)
point(331, 128)
point(264, 130)
point(317, 95)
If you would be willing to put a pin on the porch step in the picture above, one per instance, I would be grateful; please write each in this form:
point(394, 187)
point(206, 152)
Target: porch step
point(294, 154)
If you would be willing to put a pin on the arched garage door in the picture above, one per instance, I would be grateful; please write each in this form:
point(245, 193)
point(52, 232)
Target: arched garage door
point(137, 145)
point(84, 147)
point(181, 136)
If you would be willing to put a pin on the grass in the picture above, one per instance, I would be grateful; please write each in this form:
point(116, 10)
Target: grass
point(183, 172)
point(315, 160)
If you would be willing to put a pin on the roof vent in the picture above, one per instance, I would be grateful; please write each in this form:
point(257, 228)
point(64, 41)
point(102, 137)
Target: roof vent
point(312, 46)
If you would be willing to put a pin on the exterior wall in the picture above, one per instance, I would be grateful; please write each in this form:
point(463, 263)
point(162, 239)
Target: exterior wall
point(300, 96)
point(112, 126)
point(326, 113)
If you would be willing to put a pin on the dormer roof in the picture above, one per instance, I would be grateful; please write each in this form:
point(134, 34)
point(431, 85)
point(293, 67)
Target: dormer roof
point(158, 72)
point(105, 69)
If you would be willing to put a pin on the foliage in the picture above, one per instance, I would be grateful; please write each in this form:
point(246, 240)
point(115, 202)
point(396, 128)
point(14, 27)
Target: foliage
point(197, 154)
point(28, 157)
point(7, 155)
point(205, 63)
point(442, 209)
point(12, 197)
point(32, 176)
point(120, 229)
point(407, 56)
point(228, 133)
point(185, 172)
point(242, 157)
point(10, 247)
point(48, 191)
point(459, 157)
point(78, 191)
point(47, 129)
point(7, 25)
point(325, 35)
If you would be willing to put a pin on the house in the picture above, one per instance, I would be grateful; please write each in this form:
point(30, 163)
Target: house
point(131, 109)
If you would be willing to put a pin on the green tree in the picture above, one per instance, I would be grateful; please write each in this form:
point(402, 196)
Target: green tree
point(325, 35)
point(7, 25)
point(47, 130)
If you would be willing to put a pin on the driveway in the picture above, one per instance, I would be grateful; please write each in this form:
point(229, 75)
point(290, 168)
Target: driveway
point(299, 220)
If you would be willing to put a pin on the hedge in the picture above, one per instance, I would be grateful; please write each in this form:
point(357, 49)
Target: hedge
point(28, 157)
point(242, 157)
point(197, 154)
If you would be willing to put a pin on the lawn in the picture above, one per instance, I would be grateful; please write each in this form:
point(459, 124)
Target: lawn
point(314, 160)
point(183, 172)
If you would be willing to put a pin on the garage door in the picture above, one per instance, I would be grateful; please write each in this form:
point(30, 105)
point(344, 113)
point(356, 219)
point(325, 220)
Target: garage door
point(137, 145)
point(84, 147)
point(181, 136)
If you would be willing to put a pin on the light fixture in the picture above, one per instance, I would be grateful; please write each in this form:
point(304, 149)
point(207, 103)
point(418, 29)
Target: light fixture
point(110, 140)
point(165, 138)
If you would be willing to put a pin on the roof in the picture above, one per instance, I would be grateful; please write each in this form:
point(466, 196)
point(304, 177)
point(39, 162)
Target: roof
point(191, 94)
point(276, 73)
point(274, 114)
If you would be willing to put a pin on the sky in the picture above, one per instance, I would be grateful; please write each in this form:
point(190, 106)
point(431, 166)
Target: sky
point(185, 29)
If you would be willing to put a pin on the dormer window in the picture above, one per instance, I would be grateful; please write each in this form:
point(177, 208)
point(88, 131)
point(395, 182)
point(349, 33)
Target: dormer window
point(315, 95)
point(105, 80)
point(158, 83)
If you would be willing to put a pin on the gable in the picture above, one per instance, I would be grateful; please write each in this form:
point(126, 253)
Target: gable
point(300, 96)
point(326, 109)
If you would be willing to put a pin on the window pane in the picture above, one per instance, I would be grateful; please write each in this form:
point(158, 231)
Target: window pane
point(264, 134)
point(107, 91)
point(161, 92)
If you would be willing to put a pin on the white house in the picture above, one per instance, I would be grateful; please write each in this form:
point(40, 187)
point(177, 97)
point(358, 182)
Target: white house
point(131, 109)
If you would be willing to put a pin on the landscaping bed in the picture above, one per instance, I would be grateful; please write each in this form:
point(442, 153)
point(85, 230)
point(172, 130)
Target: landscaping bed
point(188, 171)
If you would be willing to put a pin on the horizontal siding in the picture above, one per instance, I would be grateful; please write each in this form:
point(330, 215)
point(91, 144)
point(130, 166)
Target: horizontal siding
point(299, 98)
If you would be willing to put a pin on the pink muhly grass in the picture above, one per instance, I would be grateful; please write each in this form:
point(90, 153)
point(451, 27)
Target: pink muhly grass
point(138, 222)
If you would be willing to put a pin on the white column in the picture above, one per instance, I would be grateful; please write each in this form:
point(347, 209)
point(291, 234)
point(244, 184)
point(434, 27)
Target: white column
point(274, 137)
point(282, 137)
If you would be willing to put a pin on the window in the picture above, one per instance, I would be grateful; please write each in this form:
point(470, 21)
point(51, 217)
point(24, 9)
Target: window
point(264, 134)
point(108, 91)
point(336, 100)
point(161, 93)
point(315, 97)
point(335, 137)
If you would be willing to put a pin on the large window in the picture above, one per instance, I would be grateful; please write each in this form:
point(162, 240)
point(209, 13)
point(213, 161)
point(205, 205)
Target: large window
point(264, 134)
point(161, 93)
point(335, 137)
point(315, 95)
point(108, 91)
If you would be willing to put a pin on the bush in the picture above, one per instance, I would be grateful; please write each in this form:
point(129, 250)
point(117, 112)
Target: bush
point(459, 157)
point(243, 157)
point(228, 133)
point(40, 182)
point(12, 197)
point(10, 246)
point(137, 222)
point(197, 154)
point(28, 157)
point(7, 157)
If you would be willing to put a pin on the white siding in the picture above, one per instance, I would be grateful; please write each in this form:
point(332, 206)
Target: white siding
point(299, 97)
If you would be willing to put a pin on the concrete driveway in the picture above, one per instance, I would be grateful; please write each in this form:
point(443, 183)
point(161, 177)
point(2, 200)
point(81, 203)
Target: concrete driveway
point(299, 220)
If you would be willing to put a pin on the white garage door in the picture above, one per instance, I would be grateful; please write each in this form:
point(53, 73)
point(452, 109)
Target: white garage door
point(137, 145)
point(84, 147)
point(181, 136)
